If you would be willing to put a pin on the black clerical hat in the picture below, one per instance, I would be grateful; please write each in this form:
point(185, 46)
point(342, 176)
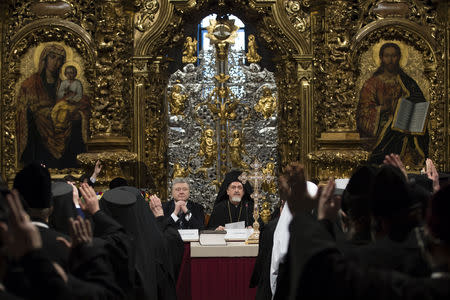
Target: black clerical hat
point(119, 197)
point(231, 177)
point(355, 199)
point(34, 184)
point(61, 188)
point(391, 193)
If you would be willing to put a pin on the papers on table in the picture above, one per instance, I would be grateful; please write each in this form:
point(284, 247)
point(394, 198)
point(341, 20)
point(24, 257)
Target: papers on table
point(189, 235)
point(238, 234)
point(235, 225)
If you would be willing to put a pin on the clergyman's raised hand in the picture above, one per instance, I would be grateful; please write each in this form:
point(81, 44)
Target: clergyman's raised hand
point(329, 204)
point(293, 189)
point(394, 160)
point(89, 202)
point(156, 206)
point(432, 174)
point(20, 236)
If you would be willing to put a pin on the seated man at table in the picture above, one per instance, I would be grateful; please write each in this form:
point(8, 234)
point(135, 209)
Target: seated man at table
point(181, 212)
point(233, 203)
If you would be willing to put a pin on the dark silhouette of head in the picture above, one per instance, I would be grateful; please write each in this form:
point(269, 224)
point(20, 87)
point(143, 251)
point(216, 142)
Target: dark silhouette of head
point(118, 181)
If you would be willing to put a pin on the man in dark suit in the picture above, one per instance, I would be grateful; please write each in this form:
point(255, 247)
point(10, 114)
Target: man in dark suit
point(183, 213)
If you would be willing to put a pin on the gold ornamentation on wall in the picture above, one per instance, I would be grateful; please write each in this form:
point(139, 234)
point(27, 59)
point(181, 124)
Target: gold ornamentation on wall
point(265, 212)
point(208, 148)
point(115, 164)
point(145, 17)
point(237, 149)
point(269, 185)
point(339, 31)
point(337, 163)
point(190, 49)
point(267, 104)
point(252, 54)
point(177, 101)
point(111, 114)
point(179, 171)
point(222, 106)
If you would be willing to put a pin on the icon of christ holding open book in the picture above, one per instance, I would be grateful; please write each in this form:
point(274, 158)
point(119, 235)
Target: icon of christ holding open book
point(393, 110)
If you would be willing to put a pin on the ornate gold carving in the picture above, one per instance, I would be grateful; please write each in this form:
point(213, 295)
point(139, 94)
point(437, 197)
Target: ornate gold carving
point(57, 8)
point(237, 148)
point(208, 148)
point(337, 163)
point(252, 54)
point(111, 111)
point(296, 10)
point(179, 171)
point(267, 104)
point(145, 17)
point(270, 186)
point(265, 212)
point(177, 101)
point(115, 164)
point(190, 49)
point(386, 8)
point(222, 106)
point(222, 33)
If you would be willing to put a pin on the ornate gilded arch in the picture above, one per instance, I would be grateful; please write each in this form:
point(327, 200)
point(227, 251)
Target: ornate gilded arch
point(418, 38)
point(32, 34)
point(278, 25)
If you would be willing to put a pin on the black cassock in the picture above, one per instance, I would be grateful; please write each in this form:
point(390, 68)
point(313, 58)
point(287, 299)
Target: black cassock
point(154, 267)
point(261, 272)
point(319, 271)
point(225, 212)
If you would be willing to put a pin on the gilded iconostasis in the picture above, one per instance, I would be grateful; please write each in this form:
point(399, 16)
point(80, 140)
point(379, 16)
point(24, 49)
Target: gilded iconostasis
point(160, 89)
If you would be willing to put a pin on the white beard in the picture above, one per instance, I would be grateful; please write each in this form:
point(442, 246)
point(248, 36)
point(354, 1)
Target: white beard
point(236, 199)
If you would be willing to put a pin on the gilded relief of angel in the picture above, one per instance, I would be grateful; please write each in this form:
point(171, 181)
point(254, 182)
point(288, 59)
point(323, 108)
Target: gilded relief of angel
point(236, 150)
point(190, 49)
point(269, 185)
point(208, 148)
point(267, 104)
point(177, 100)
point(252, 55)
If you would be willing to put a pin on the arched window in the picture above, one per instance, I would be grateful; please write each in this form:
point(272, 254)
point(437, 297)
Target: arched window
point(204, 41)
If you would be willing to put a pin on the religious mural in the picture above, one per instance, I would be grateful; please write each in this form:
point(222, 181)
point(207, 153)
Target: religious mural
point(379, 99)
point(53, 106)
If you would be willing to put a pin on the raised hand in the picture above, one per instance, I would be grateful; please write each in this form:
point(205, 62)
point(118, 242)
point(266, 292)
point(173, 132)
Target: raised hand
point(156, 206)
point(293, 189)
point(97, 168)
point(394, 160)
point(329, 204)
point(432, 174)
point(80, 232)
point(89, 202)
point(21, 236)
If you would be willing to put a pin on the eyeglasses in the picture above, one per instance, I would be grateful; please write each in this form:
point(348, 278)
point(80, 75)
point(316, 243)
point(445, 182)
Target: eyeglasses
point(236, 187)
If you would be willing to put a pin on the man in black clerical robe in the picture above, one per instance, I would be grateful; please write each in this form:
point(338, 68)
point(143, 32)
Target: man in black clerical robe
point(319, 271)
point(152, 260)
point(233, 203)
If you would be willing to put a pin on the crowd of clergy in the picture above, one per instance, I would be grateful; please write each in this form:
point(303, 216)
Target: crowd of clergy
point(382, 234)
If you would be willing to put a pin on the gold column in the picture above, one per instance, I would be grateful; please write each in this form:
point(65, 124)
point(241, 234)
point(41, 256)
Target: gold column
point(150, 122)
point(3, 12)
point(339, 145)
